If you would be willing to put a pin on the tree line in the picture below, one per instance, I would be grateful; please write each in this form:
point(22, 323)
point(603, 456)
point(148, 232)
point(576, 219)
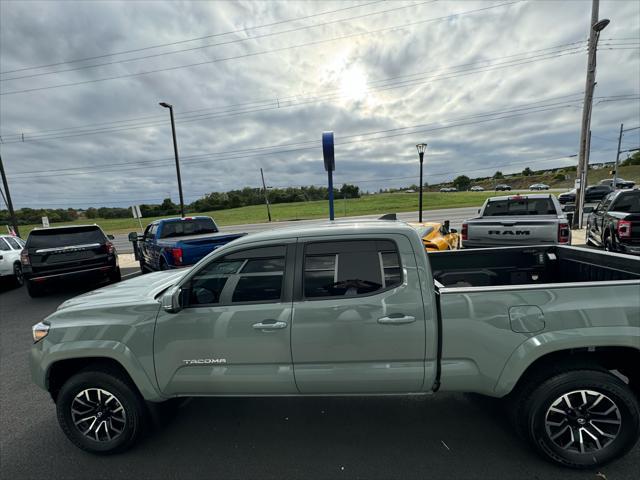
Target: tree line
point(209, 202)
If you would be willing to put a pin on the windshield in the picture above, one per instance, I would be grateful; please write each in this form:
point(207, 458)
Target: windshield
point(58, 237)
point(192, 226)
point(520, 206)
point(629, 203)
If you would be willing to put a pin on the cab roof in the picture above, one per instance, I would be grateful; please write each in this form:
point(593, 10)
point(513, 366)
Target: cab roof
point(335, 228)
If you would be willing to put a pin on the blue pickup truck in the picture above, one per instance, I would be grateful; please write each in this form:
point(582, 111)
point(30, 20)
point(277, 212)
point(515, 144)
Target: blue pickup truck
point(177, 242)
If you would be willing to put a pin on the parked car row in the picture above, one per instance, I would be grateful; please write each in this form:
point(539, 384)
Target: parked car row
point(594, 193)
point(58, 254)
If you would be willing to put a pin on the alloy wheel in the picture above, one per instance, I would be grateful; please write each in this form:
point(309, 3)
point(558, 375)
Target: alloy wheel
point(98, 414)
point(583, 421)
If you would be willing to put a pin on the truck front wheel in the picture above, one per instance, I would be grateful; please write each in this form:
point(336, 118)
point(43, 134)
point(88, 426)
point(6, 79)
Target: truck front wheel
point(581, 418)
point(100, 412)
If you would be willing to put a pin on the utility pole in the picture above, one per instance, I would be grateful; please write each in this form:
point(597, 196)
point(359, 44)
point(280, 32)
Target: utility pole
point(175, 152)
point(7, 194)
point(266, 195)
point(421, 149)
point(595, 27)
point(614, 185)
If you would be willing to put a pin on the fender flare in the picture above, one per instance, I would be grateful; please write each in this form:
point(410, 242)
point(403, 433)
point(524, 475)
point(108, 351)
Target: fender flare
point(108, 349)
point(540, 345)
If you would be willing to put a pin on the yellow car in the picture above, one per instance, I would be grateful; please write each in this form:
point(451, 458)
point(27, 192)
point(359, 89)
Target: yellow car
point(437, 236)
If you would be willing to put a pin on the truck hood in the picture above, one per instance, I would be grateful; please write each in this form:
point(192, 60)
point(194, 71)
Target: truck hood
point(134, 291)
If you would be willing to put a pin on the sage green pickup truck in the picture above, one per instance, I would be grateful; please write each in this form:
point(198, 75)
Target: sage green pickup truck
point(359, 308)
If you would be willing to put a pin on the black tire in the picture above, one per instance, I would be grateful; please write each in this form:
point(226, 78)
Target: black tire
point(115, 276)
point(33, 289)
point(538, 422)
point(127, 397)
point(143, 267)
point(608, 244)
point(18, 277)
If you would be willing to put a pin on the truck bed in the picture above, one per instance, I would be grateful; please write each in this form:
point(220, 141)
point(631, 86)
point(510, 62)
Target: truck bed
point(530, 265)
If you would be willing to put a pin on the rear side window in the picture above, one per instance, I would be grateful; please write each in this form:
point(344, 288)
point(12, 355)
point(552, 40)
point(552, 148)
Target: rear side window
point(520, 206)
point(253, 275)
point(351, 268)
point(4, 246)
point(54, 238)
point(13, 243)
point(628, 203)
point(182, 228)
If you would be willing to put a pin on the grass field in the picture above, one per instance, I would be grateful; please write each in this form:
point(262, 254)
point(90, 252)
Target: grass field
point(368, 204)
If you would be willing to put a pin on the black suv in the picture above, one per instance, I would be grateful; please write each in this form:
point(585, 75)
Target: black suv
point(503, 188)
point(53, 254)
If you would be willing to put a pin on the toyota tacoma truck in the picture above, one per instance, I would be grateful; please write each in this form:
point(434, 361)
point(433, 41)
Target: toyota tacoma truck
point(517, 220)
point(359, 309)
point(177, 242)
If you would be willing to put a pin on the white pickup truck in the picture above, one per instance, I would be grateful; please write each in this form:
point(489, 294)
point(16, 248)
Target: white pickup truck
point(517, 220)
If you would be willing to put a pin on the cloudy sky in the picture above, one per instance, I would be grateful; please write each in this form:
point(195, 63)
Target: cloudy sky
point(489, 85)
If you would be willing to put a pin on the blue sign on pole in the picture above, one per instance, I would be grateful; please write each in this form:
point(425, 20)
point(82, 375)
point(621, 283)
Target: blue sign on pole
point(329, 166)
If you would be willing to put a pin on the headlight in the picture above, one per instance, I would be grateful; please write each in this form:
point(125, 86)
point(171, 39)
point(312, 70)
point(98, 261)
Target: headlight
point(39, 331)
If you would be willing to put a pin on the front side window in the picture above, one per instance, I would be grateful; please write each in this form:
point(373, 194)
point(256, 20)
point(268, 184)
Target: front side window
point(254, 275)
point(351, 268)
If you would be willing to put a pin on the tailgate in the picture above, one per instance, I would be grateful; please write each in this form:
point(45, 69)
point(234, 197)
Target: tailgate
point(505, 232)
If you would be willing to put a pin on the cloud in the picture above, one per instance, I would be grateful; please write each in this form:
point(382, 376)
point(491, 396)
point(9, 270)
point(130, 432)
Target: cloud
point(424, 84)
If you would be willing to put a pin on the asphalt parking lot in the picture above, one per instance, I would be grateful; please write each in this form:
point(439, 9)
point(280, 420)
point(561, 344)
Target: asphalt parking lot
point(453, 436)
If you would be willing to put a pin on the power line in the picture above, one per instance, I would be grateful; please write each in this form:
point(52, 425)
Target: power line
point(540, 109)
point(263, 52)
point(161, 197)
point(286, 103)
point(272, 101)
point(241, 30)
point(228, 42)
point(261, 149)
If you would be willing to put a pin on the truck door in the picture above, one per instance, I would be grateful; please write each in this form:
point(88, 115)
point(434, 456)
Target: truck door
point(358, 317)
point(143, 246)
point(232, 335)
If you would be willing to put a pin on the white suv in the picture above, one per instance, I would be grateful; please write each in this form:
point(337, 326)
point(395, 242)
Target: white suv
point(10, 266)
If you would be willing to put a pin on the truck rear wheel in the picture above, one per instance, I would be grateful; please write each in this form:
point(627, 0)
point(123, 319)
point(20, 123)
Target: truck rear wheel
point(581, 418)
point(100, 412)
point(33, 289)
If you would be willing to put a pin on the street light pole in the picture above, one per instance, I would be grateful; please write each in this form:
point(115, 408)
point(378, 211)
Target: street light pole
point(421, 148)
point(175, 152)
point(595, 27)
point(7, 198)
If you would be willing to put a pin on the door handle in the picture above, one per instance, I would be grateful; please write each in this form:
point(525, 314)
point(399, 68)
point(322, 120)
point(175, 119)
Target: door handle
point(270, 325)
point(396, 319)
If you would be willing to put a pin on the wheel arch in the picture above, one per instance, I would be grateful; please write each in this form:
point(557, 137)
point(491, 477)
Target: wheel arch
point(610, 347)
point(622, 359)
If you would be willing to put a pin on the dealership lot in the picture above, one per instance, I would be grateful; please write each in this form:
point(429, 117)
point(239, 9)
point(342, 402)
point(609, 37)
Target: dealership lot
point(448, 435)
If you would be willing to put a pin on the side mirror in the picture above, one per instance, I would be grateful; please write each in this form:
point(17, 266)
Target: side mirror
point(111, 237)
point(171, 300)
point(588, 209)
point(133, 236)
point(454, 230)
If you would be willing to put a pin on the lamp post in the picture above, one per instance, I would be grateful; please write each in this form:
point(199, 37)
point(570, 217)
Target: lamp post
point(421, 148)
point(596, 26)
point(175, 152)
